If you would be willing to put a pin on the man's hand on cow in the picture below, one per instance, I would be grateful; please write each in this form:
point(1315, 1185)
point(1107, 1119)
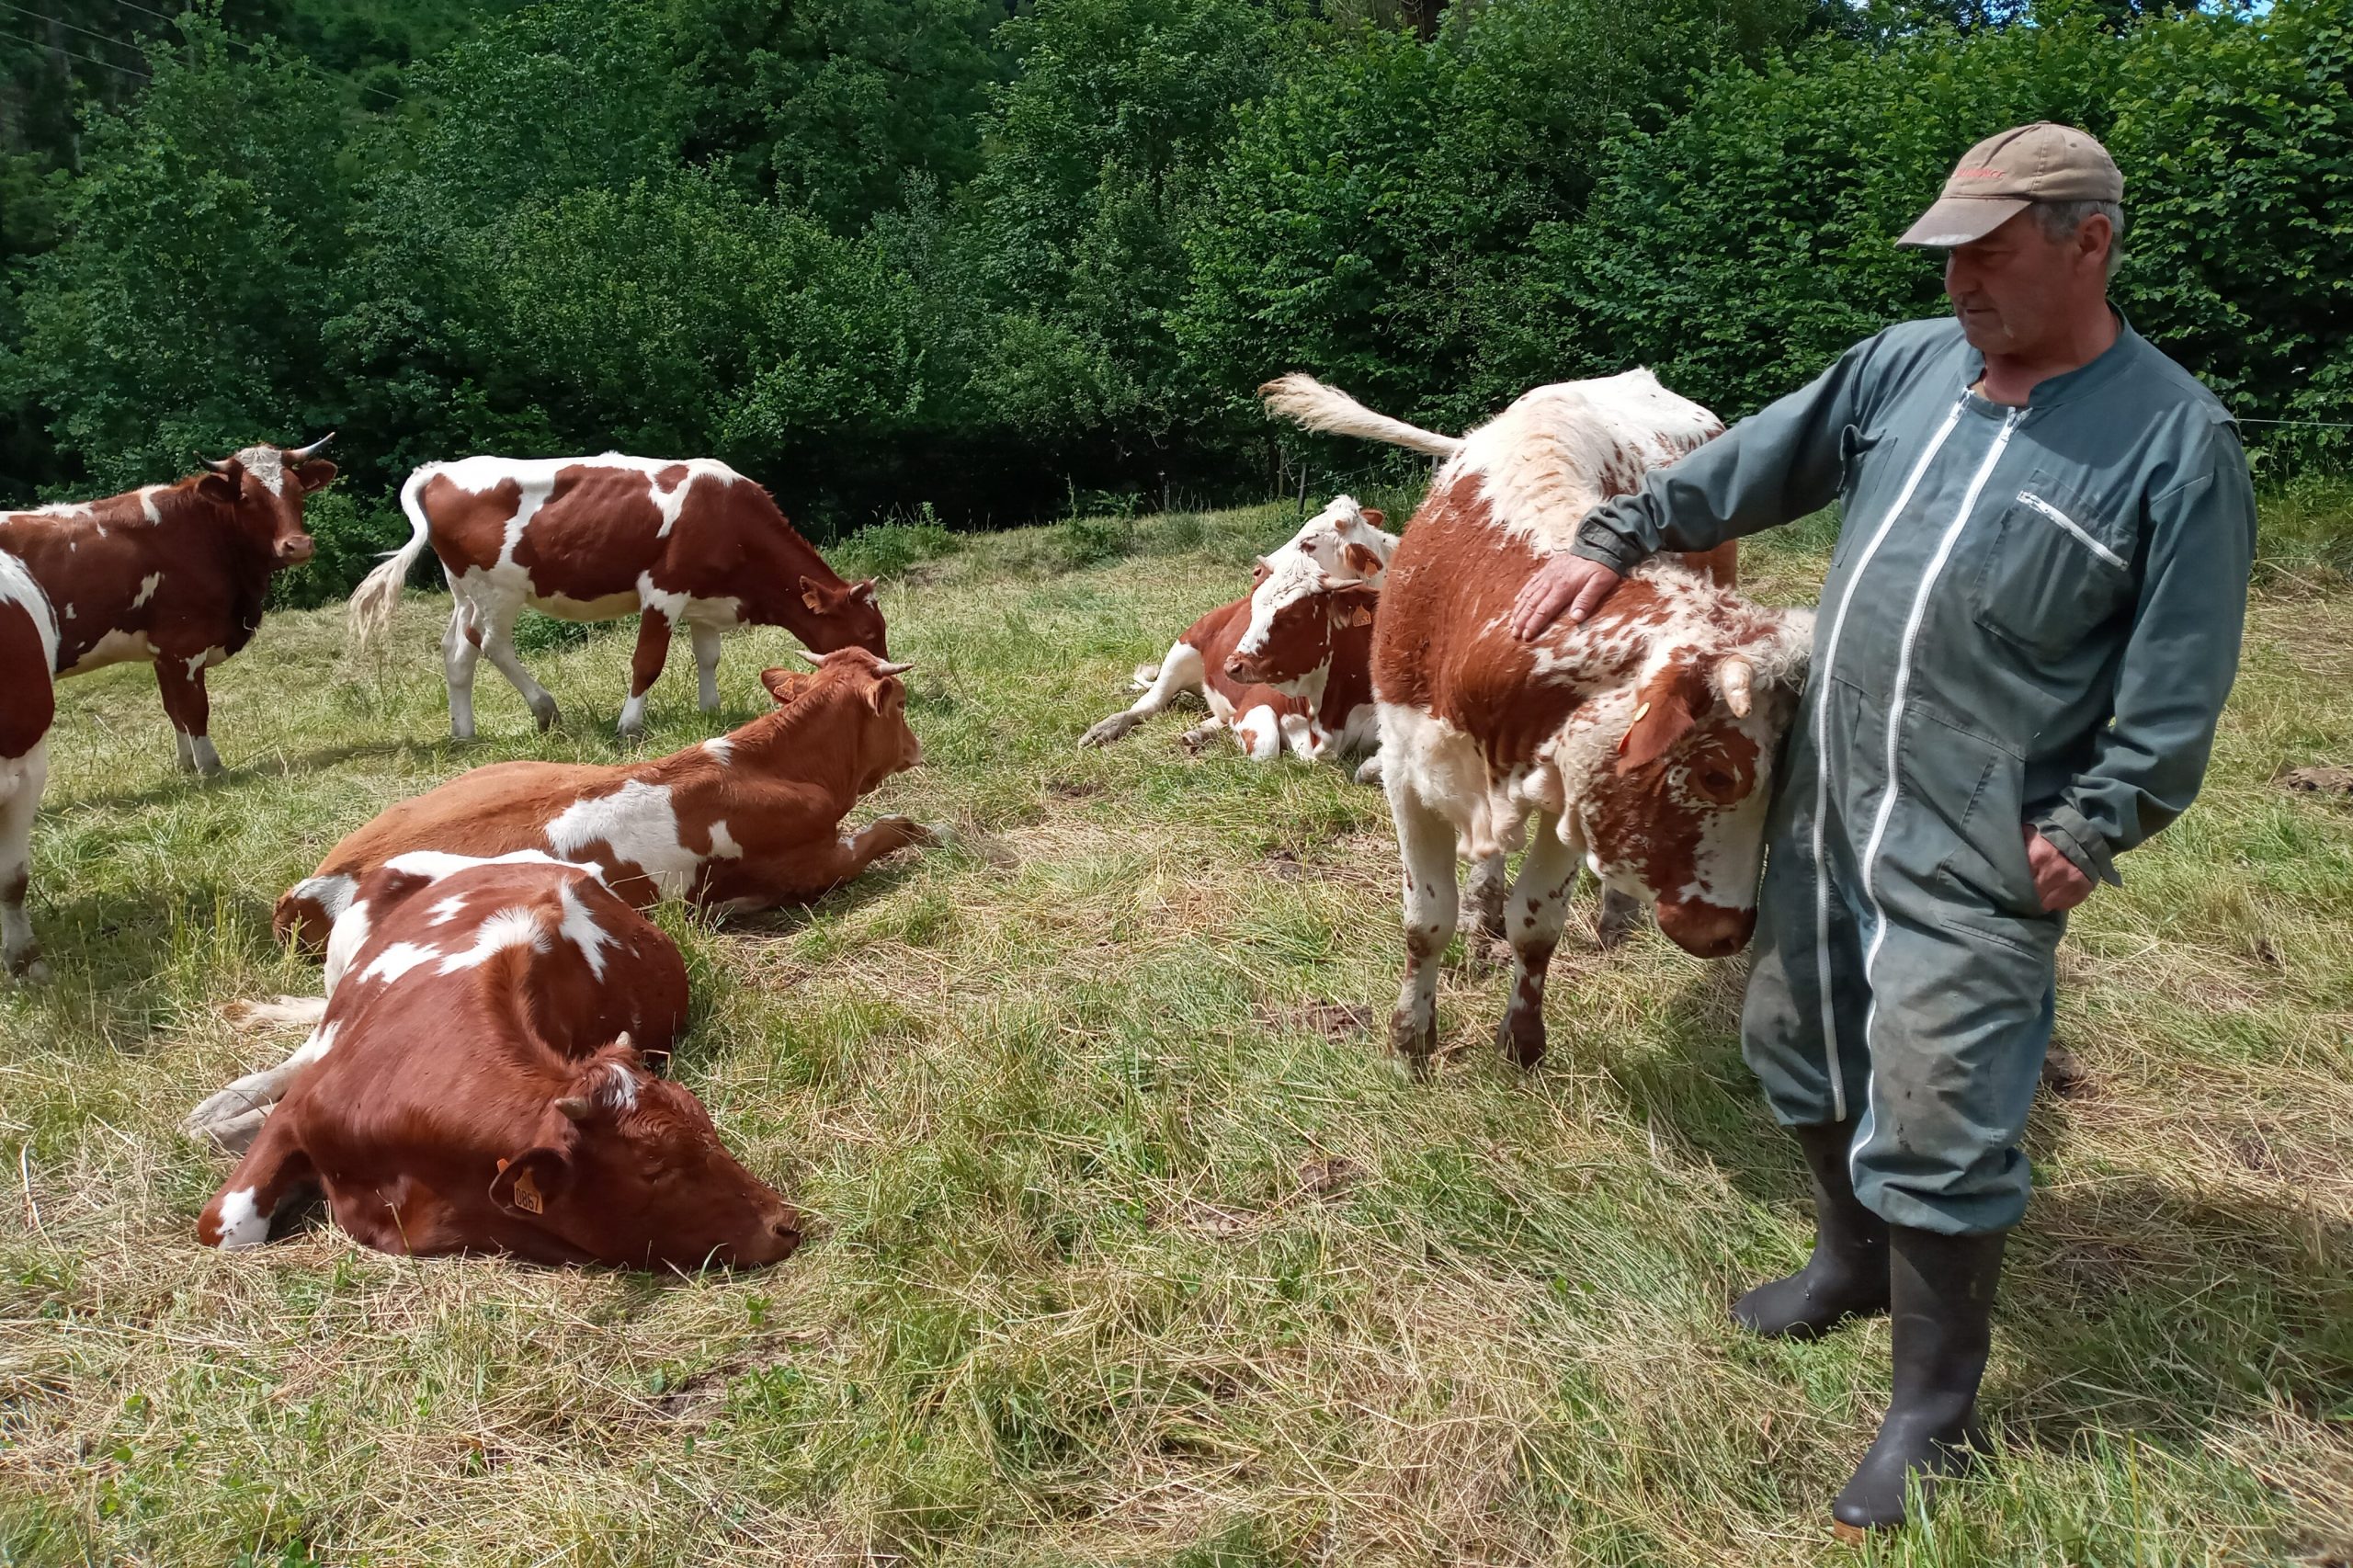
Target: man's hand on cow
point(1568, 582)
point(2058, 883)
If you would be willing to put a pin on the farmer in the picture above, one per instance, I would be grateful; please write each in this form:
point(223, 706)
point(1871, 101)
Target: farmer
point(2031, 622)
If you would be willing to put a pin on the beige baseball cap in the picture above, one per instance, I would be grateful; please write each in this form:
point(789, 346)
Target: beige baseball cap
point(2003, 175)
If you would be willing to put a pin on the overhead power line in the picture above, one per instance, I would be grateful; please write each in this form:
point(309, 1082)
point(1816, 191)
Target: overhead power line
point(232, 41)
point(69, 26)
point(76, 54)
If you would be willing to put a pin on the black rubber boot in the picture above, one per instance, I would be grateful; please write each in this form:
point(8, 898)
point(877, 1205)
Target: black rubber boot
point(1846, 1276)
point(1943, 1311)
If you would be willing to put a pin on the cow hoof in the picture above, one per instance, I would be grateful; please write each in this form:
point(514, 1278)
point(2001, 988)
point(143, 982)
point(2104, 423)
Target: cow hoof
point(935, 835)
point(1369, 771)
point(1415, 1048)
point(546, 716)
point(1520, 1036)
point(26, 969)
point(1104, 733)
point(1620, 918)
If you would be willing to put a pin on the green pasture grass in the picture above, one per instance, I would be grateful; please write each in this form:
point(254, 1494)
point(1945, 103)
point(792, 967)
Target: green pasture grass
point(1130, 1247)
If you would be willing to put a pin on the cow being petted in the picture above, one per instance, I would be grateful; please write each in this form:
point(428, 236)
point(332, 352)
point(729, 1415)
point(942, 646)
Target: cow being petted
point(1642, 741)
point(675, 543)
point(175, 575)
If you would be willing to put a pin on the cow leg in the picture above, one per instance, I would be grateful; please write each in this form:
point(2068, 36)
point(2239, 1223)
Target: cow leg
point(190, 711)
point(1182, 671)
point(1369, 771)
point(461, 653)
point(1425, 841)
point(1483, 899)
point(274, 1170)
point(1540, 907)
point(232, 1116)
point(1622, 916)
point(848, 858)
point(21, 781)
point(706, 643)
point(654, 628)
point(495, 622)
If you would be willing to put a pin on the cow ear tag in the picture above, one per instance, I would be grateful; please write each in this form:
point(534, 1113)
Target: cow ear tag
point(527, 1195)
point(1363, 617)
point(1641, 712)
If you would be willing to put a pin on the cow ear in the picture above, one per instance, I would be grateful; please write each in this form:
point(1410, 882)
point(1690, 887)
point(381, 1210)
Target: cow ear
point(1363, 561)
point(784, 686)
point(1374, 516)
point(1259, 571)
point(1668, 705)
point(813, 593)
point(316, 474)
point(1353, 604)
point(878, 695)
point(526, 1184)
point(224, 483)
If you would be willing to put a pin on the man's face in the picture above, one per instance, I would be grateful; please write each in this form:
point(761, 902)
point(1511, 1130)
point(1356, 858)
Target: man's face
point(2017, 293)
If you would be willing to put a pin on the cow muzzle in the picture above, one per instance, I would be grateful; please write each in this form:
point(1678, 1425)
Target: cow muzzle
point(1707, 930)
point(1250, 669)
point(296, 551)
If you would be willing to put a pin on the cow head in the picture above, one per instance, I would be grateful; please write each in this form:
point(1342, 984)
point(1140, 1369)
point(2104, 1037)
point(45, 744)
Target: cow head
point(1296, 610)
point(1671, 776)
point(264, 488)
point(869, 697)
point(1346, 539)
point(628, 1168)
point(831, 616)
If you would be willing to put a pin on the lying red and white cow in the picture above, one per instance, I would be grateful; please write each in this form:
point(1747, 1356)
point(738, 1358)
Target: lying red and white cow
point(1642, 740)
point(172, 573)
point(1288, 666)
point(27, 703)
point(744, 820)
point(473, 1083)
point(674, 542)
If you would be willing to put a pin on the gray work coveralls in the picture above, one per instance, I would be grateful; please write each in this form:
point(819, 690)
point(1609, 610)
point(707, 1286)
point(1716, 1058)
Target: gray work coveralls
point(2032, 616)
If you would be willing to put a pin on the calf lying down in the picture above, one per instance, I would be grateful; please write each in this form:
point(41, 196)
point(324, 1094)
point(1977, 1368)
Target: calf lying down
point(1289, 666)
point(473, 1083)
point(746, 821)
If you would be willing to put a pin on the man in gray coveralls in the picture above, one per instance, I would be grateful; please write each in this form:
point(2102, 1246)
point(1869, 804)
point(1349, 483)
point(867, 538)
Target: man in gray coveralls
point(2030, 623)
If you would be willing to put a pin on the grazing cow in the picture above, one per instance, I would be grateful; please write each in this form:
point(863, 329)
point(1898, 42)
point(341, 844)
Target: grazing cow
point(1288, 666)
point(28, 702)
point(744, 820)
point(473, 1085)
point(1642, 740)
point(172, 573)
point(674, 542)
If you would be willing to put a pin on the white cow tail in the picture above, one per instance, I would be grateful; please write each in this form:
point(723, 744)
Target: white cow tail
point(370, 613)
point(1305, 401)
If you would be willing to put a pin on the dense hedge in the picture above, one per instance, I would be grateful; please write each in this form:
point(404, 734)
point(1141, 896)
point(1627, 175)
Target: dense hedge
point(886, 253)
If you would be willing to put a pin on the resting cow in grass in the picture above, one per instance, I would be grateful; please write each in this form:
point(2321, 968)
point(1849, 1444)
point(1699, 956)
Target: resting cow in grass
point(746, 821)
point(1288, 666)
point(27, 703)
point(675, 542)
point(172, 573)
point(475, 1083)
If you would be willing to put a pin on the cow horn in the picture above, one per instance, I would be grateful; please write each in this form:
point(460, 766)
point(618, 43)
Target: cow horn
point(304, 454)
point(576, 1107)
point(891, 669)
point(1737, 676)
point(221, 465)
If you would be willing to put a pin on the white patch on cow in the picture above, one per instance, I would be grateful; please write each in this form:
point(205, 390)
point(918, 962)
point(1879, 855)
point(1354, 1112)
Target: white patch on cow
point(721, 749)
point(199, 663)
point(518, 926)
point(719, 615)
point(396, 961)
point(63, 509)
point(672, 606)
point(632, 718)
point(68, 612)
point(580, 929)
point(1444, 768)
point(267, 465)
point(449, 909)
point(115, 647)
point(621, 1087)
point(1324, 538)
point(322, 1040)
point(343, 943)
point(1560, 450)
point(202, 755)
point(242, 1224)
point(723, 843)
point(640, 825)
point(433, 865)
point(534, 478)
point(612, 607)
point(670, 503)
point(18, 587)
point(147, 587)
point(1260, 733)
point(147, 507)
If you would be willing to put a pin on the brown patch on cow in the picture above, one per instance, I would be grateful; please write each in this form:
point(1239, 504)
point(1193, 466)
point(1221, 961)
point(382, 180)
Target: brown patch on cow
point(469, 526)
point(31, 705)
point(2336, 782)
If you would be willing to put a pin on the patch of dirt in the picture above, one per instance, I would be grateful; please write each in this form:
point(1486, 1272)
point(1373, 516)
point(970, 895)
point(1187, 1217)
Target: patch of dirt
point(2065, 1074)
point(2253, 1151)
point(1282, 864)
point(1329, 1176)
point(1212, 1220)
point(2334, 782)
point(1333, 1020)
point(1073, 789)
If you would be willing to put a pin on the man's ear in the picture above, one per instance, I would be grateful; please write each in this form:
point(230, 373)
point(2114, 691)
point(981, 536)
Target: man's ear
point(316, 474)
point(1668, 705)
point(526, 1184)
point(785, 685)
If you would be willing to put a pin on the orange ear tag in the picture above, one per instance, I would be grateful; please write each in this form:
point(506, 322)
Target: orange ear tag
point(1628, 735)
point(527, 1195)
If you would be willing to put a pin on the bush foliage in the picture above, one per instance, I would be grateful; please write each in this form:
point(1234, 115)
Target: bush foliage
point(881, 253)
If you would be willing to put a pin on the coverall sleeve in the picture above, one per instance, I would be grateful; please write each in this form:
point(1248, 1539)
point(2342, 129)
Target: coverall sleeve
point(2178, 662)
point(1778, 464)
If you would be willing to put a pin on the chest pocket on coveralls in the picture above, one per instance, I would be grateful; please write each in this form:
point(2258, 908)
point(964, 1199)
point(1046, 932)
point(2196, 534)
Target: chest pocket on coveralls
point(1854, 441)
point(2054, 571)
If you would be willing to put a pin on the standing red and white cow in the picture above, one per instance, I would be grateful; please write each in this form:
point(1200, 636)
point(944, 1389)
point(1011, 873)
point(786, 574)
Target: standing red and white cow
point(27, 703)
point(1289, 665)
point(172, 573)
point(475, 1083)
point(1642, 740)
point(743, 821)
point(674, 542)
